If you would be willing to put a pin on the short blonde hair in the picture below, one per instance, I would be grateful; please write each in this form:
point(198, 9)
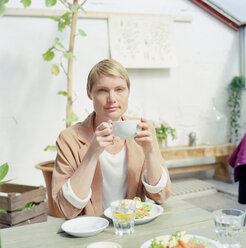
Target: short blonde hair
point(107, 67)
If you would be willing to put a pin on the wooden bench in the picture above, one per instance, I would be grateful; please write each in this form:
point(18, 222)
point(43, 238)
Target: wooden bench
point(220, 152)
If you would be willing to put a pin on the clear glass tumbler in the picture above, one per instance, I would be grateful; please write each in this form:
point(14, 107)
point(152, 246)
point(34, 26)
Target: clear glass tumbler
point(229, 227)
point(123, 215)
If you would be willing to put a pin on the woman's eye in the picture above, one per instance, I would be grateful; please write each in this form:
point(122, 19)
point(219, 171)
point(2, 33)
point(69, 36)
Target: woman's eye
point(119, 89)
point(101, 90)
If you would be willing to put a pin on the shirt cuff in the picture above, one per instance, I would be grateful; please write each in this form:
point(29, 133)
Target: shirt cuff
point(72, 198)
point(159, 186)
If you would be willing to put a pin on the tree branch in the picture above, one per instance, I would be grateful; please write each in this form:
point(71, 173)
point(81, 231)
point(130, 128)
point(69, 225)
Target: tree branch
point(62, 66)
point(82, 3)
point(66, 4)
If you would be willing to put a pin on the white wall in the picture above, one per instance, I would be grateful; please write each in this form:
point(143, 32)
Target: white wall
point(31, 112)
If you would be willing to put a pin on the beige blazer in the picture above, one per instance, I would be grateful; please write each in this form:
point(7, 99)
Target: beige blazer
point(72, 145)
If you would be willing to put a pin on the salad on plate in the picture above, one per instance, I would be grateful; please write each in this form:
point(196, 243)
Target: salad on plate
point(142, 209)
point(180, 240)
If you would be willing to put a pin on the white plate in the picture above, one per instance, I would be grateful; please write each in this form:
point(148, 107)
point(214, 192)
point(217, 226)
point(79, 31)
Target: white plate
point(213, 243)
point(154, 212)
point(84, 226)
point(104, 245)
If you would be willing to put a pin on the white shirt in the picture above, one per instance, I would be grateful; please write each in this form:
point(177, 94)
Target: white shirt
point(115, 181)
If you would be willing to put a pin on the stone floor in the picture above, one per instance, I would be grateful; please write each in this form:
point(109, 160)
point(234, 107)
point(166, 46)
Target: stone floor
point(207, 193)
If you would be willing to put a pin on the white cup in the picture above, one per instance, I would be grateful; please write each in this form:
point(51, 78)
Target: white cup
point(125, 129)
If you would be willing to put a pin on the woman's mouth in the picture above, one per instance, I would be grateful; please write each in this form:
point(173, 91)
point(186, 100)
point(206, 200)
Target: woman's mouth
point(111, 109)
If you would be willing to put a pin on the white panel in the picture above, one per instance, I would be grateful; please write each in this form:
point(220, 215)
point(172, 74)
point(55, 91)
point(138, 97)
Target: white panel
point(142, 41)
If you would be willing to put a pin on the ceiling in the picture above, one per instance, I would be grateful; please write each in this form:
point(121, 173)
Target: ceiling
point(234, 8)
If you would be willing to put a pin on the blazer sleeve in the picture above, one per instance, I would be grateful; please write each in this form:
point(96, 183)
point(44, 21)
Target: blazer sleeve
point(161, 196)
point(67, 161)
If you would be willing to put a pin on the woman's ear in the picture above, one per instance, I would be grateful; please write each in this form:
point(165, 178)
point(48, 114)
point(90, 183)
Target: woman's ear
point(88, 94)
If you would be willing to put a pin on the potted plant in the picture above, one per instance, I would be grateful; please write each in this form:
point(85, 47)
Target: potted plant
point(67, 20)
point(163, 131)
point(234, 102)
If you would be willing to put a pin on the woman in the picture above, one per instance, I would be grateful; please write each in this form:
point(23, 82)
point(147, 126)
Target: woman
point(92, 167)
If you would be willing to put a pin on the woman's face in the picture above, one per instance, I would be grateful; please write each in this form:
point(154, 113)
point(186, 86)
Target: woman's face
point(110, 98)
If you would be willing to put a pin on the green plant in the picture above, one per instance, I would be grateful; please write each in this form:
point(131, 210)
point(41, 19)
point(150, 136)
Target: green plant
point(163, 130)
point(67, 20)
point(4, 168)
point(27, 207)
point(234, 102)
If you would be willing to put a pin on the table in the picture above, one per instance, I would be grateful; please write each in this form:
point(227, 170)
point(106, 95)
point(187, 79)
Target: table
point(177, 215)
point(220, 152)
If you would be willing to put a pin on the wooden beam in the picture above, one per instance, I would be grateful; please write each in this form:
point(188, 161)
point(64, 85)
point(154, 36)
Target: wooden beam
point(191, 168)
point(29, 12)
point(218, 14)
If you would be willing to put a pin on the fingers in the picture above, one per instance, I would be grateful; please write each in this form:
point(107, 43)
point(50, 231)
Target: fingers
point(104, 132)
point(103, 135)
point(143, 135)
point(143, 124)
point(104, 125)
point(104, 140)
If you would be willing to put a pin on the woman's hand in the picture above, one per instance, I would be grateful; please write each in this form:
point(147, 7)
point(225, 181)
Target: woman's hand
point(102, 137)
point(144, 136)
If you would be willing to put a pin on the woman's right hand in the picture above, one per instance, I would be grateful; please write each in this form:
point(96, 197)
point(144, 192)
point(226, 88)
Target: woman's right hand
point(102, 137)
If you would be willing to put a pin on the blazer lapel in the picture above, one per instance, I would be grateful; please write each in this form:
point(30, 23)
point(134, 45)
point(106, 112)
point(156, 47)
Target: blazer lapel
point(85, 134)
point(135, 159)
point(96, 187)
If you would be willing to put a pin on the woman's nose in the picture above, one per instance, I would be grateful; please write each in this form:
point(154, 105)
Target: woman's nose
point(111, 97)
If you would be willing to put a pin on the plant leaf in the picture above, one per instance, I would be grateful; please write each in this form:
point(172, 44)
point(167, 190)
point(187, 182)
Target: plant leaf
point(27, 207)
point(59, 43)
point(82, 33)
point(74, 9)
point(4, 168)
point(3, 211)
point(49, 55)
point(55, 69)
point(68, 55)
point(61, 26)
point(50, 3)
point(2, 8)
point(55, 18)
point(50, 148)
point(26, 3)
point(63, 93)
point(66, 18)
point(72, 118)
point(3, 182)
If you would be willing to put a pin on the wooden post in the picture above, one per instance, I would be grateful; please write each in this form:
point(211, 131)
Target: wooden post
point(222, 170)
point(70, 65)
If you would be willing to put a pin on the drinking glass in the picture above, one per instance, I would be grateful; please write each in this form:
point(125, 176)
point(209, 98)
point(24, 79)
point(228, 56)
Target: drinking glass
point(123, 215)
point(229, 227)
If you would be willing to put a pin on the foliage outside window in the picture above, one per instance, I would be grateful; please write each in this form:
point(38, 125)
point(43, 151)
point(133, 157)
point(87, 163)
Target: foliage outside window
point(234, 102)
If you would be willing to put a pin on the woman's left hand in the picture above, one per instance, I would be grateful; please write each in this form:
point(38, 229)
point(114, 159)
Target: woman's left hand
point(144, 136)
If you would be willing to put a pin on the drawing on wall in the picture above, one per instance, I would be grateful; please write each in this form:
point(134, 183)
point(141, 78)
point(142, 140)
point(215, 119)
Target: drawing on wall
point(142, 41)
